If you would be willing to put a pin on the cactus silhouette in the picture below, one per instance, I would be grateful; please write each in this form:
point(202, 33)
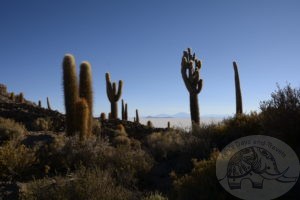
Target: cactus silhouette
point(48, 104)
point(126, 112)
point(103, 116)
point(123, 110)
point(21, 98)
point(12, 96)
point(190, 68)
point(70, 87)
point(113, 95)
point(149, 124)
point(238, 93)
point(86, 90)
point(137, 118)
point(169, 125)
point(82, 116)
point(40, 104)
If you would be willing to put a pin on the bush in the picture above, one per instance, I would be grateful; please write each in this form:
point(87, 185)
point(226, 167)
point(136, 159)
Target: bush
point(92, 184)
point(176, 142)
point(42, 124)
point(281, 114)
point(155, 196)
point(9, 129)
point(200, 183)
point(15, 160)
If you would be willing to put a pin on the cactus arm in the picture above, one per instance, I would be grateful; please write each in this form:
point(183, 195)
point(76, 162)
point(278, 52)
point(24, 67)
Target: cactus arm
point(119, 90)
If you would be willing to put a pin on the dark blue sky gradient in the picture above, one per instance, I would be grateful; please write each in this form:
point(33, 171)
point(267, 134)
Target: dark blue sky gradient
point(141, 42)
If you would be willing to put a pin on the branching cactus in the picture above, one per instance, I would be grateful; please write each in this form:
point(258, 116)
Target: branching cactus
point(190, 68)
point(113, 95)
point(86, 90)
point(70, 86)
point(238, 93)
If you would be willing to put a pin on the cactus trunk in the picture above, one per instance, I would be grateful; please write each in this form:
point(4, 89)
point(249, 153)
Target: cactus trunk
point(126, 112)
point(194, 109)
point(70, 87)
point(48, 104)
point(86, 90)
point(238, 93)
point(82, 110)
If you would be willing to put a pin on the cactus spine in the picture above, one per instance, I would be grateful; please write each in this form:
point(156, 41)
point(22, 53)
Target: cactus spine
point(238, 93)
point(70, 86)
point(82, 115)
point(190, 68)
point(48, 104)
point(86, 90)
point(137, 118)
point(113, 95)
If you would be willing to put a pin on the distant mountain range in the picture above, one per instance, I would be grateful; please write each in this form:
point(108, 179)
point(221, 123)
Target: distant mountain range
point(185, 115)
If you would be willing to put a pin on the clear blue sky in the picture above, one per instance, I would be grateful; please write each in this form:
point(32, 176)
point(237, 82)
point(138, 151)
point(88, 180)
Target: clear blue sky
point(141, 42)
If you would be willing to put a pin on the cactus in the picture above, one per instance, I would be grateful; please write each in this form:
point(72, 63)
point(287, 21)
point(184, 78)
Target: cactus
point(169, 125)
point(39, 104)
point(137, 118)
point(123, 110)
point(109, 116)
point(12, 96)
point(126, 112)
point(238, 94)
point(103, 116)
point(48, 104)
point(149, 124)
point(70, 87)
point(113, 95)
point(21, 98)
point(82, 116)
point(190, 67)
point(86, 90)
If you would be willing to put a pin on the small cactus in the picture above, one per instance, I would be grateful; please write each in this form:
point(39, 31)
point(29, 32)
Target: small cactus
point(48, 104)
point(103, 116)
point(238, 93)
point(70, 87)
point(190, 68)
point(40, 104)
point(126, 112)
point(12, 96)
point(82, 110)
point(86, 90)
point(21, 98)
point(169, 125)
point(149, 124)
point(123, 110)
point(113, 95)
point(137, 118)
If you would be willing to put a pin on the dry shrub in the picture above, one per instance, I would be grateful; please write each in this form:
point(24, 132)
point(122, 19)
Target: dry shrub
point(9, 129)
point(42, 124)
point(92, 184)
point(15, 160)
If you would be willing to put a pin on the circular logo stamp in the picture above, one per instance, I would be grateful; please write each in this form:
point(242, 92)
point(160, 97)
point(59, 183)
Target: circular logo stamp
point(257, 167)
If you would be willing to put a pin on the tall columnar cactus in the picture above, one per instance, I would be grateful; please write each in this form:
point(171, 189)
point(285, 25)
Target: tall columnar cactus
point(113, 95)
point(123, 110)
point(82, 116)
point(48, 104)
point(238, 93)
point(190, 68)
point(126, 112)
point(40, 104)
point(70, 86)
point(86, 90)
point(137, 118)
